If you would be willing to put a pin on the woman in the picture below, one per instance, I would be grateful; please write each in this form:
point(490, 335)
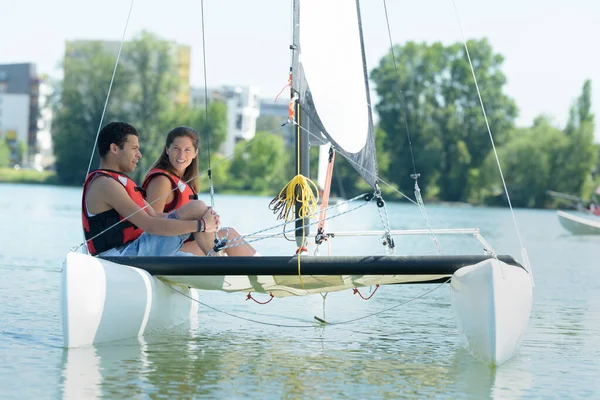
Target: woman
point(172, 181)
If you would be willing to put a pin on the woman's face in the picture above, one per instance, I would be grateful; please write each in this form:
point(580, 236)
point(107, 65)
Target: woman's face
point(181, 153)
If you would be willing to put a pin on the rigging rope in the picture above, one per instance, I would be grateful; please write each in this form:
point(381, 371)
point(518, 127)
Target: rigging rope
point(487, 124)
point(211, 186)
point(391, 187)
point(365, 197)
point(308, 325)
point(424, 215)
point(206, 125)
point(414, 175)
point(112, 79)
point(299, 189)
point(405, 119)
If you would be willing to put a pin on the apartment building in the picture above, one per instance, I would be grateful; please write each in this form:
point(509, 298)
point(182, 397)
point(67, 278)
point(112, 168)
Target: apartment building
point(19, 111)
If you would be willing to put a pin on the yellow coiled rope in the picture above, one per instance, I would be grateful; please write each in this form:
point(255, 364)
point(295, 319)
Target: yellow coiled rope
point(299, 189)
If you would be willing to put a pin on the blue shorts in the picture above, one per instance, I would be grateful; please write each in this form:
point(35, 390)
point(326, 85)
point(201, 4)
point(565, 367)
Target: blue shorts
point(151, 245)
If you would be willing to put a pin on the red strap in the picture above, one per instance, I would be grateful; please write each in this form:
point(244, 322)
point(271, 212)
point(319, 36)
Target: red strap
point(249, 297)
point(363, 297)
point(326, 189)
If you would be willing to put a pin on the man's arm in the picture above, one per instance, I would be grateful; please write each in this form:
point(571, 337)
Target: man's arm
point(115, 196)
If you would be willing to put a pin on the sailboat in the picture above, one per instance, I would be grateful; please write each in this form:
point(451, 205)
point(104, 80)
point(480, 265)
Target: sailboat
point(586, 221)
point(110, 298)
point(585, 224)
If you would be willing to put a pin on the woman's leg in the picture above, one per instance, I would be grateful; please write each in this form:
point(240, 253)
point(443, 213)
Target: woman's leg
point(193, 248)
point(207, 242)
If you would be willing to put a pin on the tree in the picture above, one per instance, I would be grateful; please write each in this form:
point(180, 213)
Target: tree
point(544, 157)
point(259, 167)
point(526, 164)
point(572, 167)
point(4, 154)
point(152, 93)
point(144, 94)
point(212, 133)
point(77, 116)
point(433, 99)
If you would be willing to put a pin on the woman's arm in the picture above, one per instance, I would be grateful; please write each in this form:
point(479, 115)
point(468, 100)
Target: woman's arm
point(159, 193)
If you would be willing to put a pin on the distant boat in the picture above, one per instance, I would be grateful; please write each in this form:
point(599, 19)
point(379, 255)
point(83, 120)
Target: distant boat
point(577, 203)
point(579, 225)
point(586, 221)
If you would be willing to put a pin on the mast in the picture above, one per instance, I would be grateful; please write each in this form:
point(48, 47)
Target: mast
point(302, 168)
point(302, 128)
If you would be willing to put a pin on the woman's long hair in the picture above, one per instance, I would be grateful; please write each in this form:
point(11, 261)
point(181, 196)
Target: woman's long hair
point(190, 176)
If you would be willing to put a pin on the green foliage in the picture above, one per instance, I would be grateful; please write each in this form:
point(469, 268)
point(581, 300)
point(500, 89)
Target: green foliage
point(431, 101)
point(526, 163)
point(576, 160)
point(259, 168)
point(434, 98)
point(212, 134)
point(78, 113)
point(11, 175)
point(151, 95)
point(4, 154)
point(544, 157)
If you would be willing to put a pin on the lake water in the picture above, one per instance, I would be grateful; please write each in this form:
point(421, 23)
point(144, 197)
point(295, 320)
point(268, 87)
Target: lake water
point(413, 351)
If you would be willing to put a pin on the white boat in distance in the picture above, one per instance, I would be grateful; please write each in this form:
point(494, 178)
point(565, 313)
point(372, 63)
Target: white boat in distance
point(114, 298)
point(579, 225)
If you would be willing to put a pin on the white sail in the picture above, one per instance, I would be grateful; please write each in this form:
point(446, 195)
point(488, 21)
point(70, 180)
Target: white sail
point(331, 56)
point(330, 78)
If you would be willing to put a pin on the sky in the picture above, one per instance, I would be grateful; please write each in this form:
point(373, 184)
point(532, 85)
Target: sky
point(550, 46)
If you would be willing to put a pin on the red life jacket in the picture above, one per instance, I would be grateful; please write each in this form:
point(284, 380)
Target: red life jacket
point(124, 231)
point(182, 195)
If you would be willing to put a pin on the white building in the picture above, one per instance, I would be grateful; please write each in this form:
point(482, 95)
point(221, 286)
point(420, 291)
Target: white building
point(243, 109)
point(19, 110)
point(44, 158)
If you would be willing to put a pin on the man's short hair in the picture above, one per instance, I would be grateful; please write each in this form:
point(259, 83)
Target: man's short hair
point(114, 132)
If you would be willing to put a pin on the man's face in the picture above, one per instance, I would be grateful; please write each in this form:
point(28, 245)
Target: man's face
point(130, 154)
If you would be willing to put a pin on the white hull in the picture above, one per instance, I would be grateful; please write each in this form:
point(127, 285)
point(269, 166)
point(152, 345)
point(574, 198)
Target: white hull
point(492, 303)
point(102, 301)
point(579, 225)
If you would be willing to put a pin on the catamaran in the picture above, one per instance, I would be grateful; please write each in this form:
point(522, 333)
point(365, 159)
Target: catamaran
point(105, 299)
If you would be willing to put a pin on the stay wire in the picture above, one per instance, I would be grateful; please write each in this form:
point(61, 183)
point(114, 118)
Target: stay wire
point(112, 79)
point(206, 125)
point(489, 130)
point(361, 168)
point(400, 95)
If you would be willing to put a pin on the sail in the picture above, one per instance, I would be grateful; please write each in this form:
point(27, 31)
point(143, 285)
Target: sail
point(329, 75)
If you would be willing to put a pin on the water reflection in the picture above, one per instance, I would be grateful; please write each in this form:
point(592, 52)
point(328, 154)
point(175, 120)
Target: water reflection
point(194, 362)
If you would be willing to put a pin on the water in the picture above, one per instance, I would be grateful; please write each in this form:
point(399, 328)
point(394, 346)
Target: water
point(413, 351)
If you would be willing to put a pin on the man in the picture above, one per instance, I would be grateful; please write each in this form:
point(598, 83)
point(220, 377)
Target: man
point(117, 220)
point(595, 203)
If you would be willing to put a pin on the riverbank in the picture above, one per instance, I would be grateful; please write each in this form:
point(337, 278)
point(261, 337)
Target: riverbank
point(11, 175)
